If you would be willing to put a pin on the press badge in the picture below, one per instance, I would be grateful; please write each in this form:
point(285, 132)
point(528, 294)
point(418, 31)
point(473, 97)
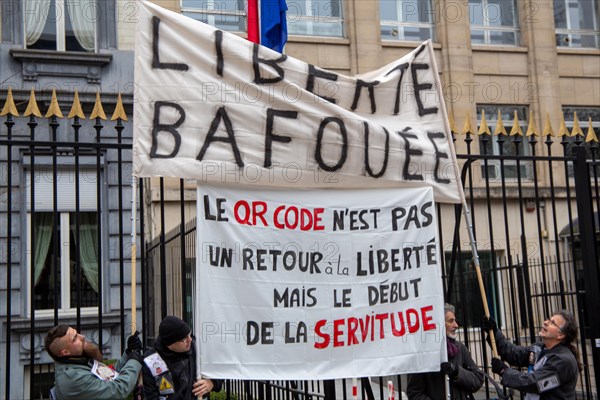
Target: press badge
point(156, 364)
point(549, 383)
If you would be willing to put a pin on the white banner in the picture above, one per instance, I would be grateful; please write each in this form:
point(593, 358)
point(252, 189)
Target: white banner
point(317, 284)
point(212, 106)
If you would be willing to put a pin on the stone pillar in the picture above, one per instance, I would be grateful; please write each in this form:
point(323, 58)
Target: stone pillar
point(456, 68)
point(363, 29)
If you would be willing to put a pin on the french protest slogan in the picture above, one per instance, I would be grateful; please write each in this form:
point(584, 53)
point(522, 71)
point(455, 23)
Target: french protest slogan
point(318, 284)
point(317, 254)
point(214, 107)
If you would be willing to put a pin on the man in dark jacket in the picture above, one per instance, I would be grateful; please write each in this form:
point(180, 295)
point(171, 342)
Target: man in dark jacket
point(169, 369)
point(552, 364)
point(465, 377)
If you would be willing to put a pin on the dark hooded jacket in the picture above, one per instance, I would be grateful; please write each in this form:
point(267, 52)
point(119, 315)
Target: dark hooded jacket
point(182, 367)
point(432, 386)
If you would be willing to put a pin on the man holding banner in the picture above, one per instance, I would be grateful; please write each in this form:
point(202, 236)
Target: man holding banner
point(465, 377)
point(169, 369)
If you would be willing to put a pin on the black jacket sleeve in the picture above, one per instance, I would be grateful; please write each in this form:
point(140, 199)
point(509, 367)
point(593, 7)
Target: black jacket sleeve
point(218, 384)
point(469, 376)
point(513, 354)
point(417, 387)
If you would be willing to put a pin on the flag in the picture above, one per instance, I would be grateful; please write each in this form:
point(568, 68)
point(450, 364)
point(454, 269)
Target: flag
point(253, 35)
point(273, 25)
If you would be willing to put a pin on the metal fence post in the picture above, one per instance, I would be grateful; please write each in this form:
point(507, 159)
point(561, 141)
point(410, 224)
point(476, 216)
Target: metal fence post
point(587, 236)
point(329, 387)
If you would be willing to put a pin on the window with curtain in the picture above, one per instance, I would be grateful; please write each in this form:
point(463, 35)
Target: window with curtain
point(410, 20)
point(64, 249)
point(64, 25)
point(304, 17)
point(58, 251)
point(509, 169)
point(577, 23)
point(494, 22)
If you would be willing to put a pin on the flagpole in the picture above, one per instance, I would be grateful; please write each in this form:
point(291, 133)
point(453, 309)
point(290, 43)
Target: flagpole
point(133, 253)
point(466, 211)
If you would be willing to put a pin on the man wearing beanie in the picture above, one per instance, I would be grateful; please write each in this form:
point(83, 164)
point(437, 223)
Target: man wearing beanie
point(169, 369)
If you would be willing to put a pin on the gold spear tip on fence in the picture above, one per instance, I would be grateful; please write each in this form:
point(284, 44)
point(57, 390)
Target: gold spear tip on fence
point(98, 111)
point(76, 110)
point(9, 105)
point(452, 124)
point(500, 129)
point(563, 130)
point(576, 128)
point(483, 128)
point(32, 107)
point(548, 127)
point(591, 135)
point(119, 110)
point(54, 109)
point(531, 128)
point(468, 128)
point(516, 128)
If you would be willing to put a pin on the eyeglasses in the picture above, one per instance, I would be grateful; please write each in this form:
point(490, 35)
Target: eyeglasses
point(554, 323)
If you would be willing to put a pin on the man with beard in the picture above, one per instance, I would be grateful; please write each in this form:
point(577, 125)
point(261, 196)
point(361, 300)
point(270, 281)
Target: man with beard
point(169, 369)
point(79, 372)
point(465, 377)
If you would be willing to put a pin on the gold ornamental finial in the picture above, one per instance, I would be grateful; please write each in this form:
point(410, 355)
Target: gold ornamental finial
point(467, 127)
point(76, 110)
point(516, 128)
point(9, 105)
point(576, 128)
point(563, 130)
point(119, 110)
point(591, 135)
point(500, 129)
point(54, 109)
point(98, 111)
point(32, 107)
point(531, 128)
point(548, 127)
point(452, 124)
point(483, 128)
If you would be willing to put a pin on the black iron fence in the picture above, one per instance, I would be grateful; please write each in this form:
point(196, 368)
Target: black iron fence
point(65, 237)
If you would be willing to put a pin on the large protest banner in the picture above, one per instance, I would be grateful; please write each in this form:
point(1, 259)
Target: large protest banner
point(214, 107)
point(318, 284)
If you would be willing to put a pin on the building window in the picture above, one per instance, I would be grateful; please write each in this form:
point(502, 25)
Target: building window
point(315, 18)
point(577, 23)
point(227, 15)
point(583, 115)
point(304, 17)
point(64, 244)
point(410, 20)
point(465, 294)
point(43, 381)
point(64, 25)
point(494, 22)
point(507, 169)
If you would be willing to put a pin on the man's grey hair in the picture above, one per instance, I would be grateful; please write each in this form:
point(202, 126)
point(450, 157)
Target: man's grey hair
point(449, 307)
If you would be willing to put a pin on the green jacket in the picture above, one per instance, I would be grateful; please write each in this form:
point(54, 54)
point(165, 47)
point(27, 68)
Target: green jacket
point(74, 380)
